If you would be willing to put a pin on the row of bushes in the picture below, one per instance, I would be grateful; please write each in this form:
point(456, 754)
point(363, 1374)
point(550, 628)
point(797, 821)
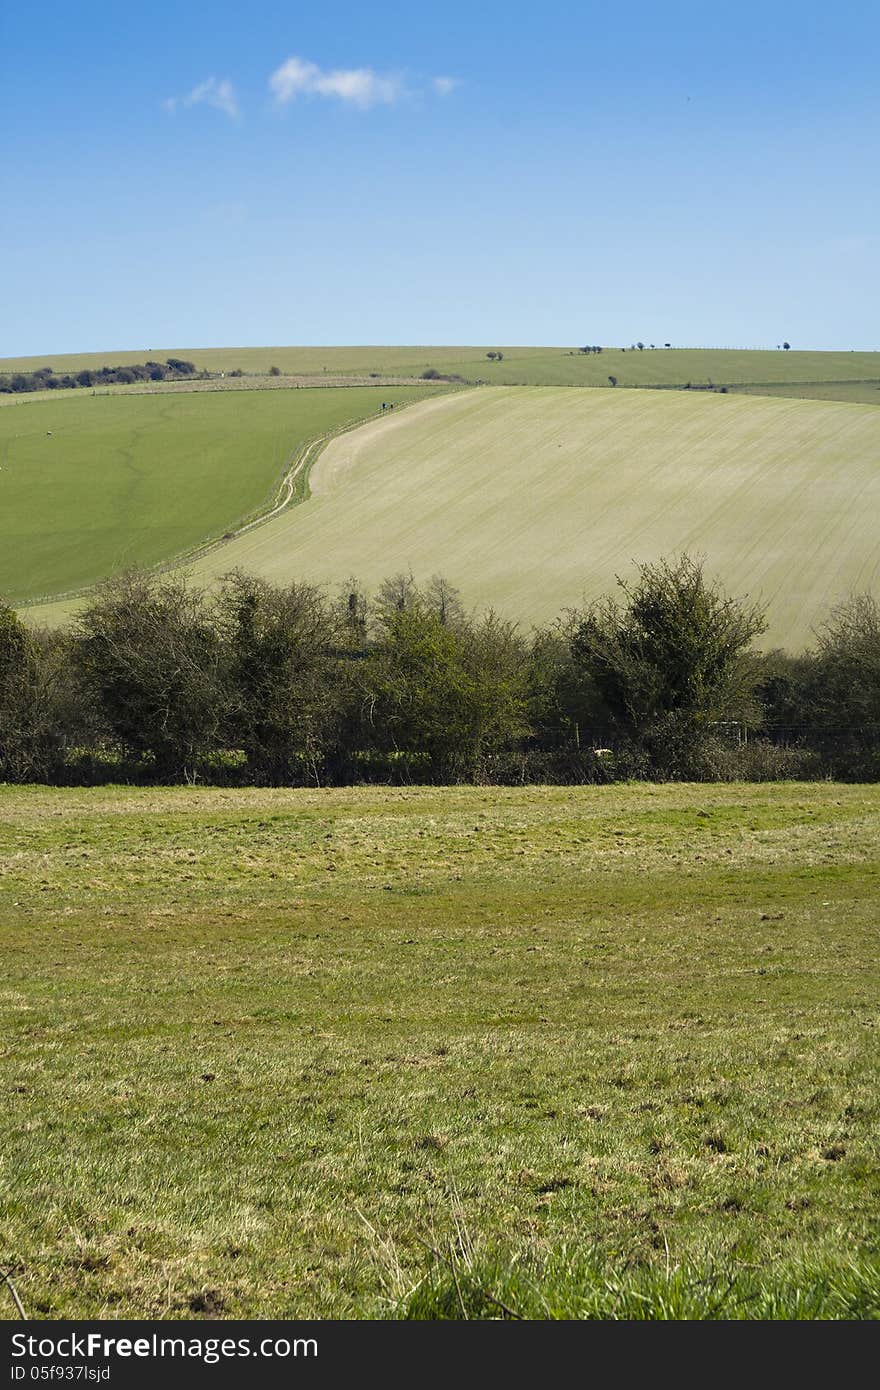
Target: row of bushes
point(46, 379)
point(260, 684)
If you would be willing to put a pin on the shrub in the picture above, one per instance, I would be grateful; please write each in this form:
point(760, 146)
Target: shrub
point(670, 661)
point(149, 652)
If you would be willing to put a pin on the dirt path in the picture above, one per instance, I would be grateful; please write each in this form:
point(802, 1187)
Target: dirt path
point(361, 431)
point(62, 607)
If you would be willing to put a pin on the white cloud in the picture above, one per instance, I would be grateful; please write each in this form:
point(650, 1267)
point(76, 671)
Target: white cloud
point(444, 85)
point(219, 94)
point(357, 86)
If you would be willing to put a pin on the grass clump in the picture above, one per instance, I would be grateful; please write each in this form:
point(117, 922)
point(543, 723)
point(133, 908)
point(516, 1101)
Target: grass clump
point(576, 1285)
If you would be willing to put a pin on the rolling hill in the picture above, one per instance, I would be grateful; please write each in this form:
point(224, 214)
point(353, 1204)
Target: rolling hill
point(525, 497)
point(92, 484)
point(528, 499)
point(520, 366)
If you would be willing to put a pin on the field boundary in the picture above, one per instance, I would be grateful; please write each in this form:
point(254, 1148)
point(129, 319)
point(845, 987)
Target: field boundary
point(217, 385)
point(291, 490)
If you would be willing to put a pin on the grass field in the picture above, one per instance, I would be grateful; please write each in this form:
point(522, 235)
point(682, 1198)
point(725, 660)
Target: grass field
point(608, 1051)
point(91, 484)
point(857, 392)
point(522, 366)
point(528, 499)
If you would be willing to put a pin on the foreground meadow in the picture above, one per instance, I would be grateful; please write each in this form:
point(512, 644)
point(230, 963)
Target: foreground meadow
point(547, 1052)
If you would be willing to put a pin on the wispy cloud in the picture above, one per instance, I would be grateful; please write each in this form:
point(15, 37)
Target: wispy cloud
point(217, 93)
point(361, 87)
point(444, 85)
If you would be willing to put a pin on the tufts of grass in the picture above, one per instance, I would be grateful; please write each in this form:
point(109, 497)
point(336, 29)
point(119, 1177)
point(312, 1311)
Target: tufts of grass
point(571, 1283)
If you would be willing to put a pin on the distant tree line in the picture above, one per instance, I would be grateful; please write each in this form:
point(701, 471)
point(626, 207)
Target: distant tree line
point(257, 684)
point(46, 379)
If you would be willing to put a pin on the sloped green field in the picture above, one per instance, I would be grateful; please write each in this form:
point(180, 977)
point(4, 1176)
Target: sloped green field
point(528, 499)
point(92, 484)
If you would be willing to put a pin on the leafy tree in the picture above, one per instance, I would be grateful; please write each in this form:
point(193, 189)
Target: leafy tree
point(782, 688)
point(442, 697)
point(15, 659)
point(283, 680)
point(565, 711)
point(495, 660)
point(841, 696)
point(150, 653)
point(41, 712)
point(14, 642)
point(413, 694)
point(670, 661)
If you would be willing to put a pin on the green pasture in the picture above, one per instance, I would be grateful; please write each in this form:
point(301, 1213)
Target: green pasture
point(521, 366)
point(92, 484)
point(531, 499)
point(857, 392)
point(434, 1052)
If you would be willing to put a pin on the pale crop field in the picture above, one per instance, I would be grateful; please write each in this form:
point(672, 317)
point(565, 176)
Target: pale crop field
point(531, 499)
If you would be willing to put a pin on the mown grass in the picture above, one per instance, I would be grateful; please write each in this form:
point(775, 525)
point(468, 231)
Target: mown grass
point(532, 1052)
point(91, 484)
point(521, 366)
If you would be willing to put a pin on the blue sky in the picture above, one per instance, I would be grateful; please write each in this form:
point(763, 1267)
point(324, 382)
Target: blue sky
point(199, 174)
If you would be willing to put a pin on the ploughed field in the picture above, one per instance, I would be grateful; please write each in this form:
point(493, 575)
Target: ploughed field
point(599, 1051)
point(530, 499)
